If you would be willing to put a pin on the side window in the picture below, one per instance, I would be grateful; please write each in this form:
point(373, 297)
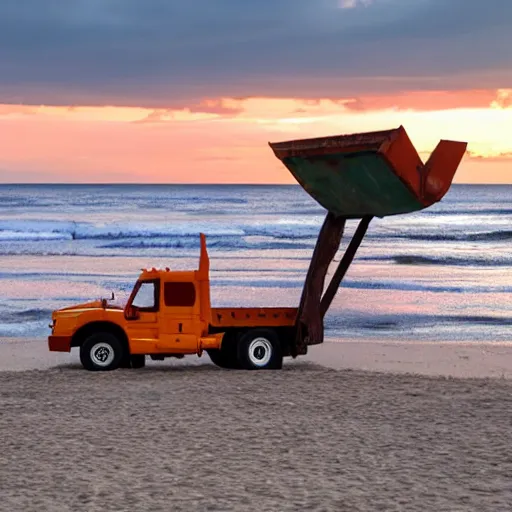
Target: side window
point(179, 294)
point(146, 297)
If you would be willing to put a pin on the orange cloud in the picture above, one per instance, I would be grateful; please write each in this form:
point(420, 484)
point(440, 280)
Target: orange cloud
point(503, 99)
point(275, 108)
point(17, 110)
point(491, 157)
point(207, 109)
point(425, 100)
point(225, 139)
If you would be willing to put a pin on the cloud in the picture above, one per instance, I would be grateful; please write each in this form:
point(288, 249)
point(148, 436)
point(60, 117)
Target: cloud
point(352, 4)
point(427, 100)
point(17, 110)
point(217, 106)
point(490, 157)
point(503, 99)
point(160, 53)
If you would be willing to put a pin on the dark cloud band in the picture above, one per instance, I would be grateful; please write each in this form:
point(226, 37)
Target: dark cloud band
point(168, 52)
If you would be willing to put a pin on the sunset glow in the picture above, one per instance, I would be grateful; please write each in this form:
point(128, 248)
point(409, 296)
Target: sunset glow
point(225, 140)
point(192, 92)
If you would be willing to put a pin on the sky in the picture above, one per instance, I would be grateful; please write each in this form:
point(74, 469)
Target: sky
point(174, 91)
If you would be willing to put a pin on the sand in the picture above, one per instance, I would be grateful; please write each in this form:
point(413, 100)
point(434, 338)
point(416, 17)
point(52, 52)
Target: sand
point(189, 436)
point(453, 359)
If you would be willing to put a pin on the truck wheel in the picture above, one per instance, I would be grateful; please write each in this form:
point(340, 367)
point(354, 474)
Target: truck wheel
point(138, 360)
point(217, 357)
point(259, 349)
point(227, 356)
point(224, 359)
point(101, 351)
point(125, 361)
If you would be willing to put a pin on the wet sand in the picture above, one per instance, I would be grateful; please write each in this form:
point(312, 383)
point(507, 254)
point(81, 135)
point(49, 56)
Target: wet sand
point(189, 436)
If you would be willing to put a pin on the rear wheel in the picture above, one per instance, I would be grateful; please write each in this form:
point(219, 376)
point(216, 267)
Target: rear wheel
point(223, 359)
point(259, 349)
point(101, 351)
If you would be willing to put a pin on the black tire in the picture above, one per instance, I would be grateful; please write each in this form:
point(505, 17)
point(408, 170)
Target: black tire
point(217, 357)
point(227, 356)
point(223, 359)
point(259, 349)
point(101, 351)
point(125, 361)
point(138, 361)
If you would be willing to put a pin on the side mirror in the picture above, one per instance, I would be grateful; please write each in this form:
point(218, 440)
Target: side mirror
point(132, 313)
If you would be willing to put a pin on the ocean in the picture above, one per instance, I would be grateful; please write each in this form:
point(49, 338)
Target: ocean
point(443, 274)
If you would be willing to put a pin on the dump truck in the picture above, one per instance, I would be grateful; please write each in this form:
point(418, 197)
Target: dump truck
point(169, 314)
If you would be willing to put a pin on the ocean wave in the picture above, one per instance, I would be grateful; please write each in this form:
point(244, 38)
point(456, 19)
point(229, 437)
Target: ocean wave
point(27, 322)
point(82, 231)
point(184, 243)
point(366, 285)
point(25, 251)
point(482, 236)
point(7, 235)
point(491, 236)
point(419, 287)
point(28, 315)
point(410, 322)
point(102, 198)
point(467, 261)
point(287, 228)
point(52, 275)
point(143, 253)
point(10, 203)
point(468, 211)
point(24, 330)
point(17, 230)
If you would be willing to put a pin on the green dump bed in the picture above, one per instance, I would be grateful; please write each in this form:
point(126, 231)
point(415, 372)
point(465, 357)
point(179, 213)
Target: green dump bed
point(370, 174)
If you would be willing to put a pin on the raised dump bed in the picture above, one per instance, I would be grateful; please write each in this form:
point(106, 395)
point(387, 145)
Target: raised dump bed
point(374, 173)
point(358, 176)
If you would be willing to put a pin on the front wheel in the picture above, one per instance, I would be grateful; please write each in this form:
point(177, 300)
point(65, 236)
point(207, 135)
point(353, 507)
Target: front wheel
point(101, 351)
point(259, 349)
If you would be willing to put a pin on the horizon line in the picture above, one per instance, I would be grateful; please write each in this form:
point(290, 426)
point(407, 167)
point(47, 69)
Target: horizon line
point(195, 184)
point(154, 184)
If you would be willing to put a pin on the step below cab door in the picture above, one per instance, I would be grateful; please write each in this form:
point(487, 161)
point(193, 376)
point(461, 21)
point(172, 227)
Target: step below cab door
point(180, 325)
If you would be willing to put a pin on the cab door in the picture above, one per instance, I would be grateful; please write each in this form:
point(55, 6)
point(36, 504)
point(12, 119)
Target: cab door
point(141, 316)
point(180, 325)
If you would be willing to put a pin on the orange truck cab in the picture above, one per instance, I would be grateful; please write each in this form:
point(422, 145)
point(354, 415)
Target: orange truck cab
point(169, 314)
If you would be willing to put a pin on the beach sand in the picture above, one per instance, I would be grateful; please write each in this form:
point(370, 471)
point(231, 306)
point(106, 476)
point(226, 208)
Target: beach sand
point(346, 428)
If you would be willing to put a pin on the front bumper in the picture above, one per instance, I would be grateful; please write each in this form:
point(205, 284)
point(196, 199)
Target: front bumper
point(59, 343)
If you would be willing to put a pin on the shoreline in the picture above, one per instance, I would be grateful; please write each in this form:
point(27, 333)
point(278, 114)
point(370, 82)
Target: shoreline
point(456, 359)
